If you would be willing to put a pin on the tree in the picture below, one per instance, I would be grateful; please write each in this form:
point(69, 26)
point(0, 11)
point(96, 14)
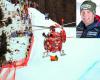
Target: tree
point(3, 44)
point(8, 21)
point(3, 48)
point(59, 9)
point(1, 14)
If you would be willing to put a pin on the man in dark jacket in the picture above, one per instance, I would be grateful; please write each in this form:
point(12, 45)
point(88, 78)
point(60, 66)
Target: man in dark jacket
point(89, 27)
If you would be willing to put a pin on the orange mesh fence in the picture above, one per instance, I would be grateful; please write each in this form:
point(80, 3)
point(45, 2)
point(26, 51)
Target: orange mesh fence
point(8, 71)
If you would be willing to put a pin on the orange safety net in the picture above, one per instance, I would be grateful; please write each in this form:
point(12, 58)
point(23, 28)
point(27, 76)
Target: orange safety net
point(8, 71)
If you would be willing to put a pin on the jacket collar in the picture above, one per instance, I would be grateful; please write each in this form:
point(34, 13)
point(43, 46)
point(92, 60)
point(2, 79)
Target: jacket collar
point(95, 24)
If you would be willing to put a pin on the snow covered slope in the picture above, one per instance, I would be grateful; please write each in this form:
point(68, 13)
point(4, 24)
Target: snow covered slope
point(81, 54)
point(77, 64)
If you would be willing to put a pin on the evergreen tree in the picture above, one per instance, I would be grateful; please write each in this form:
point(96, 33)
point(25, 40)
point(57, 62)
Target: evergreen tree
point(8, 21)
point(3, 48)
point(3, 44)
point(1, 14)
point(2, 60)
